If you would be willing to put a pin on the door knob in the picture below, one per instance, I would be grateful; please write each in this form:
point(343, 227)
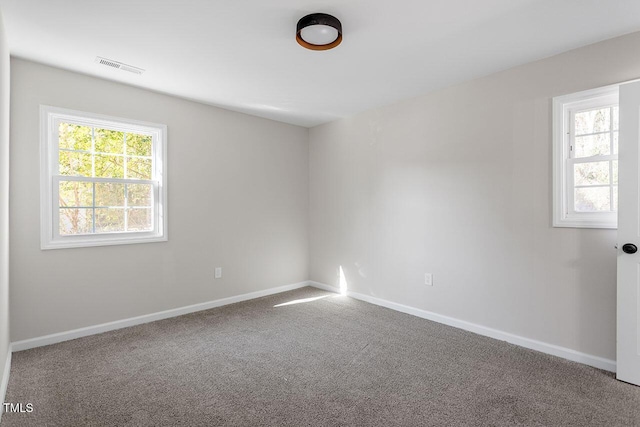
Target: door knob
point(629, 248)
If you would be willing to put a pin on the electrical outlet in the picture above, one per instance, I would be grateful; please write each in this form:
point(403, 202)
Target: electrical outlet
point(428, 279)
point(218, 273)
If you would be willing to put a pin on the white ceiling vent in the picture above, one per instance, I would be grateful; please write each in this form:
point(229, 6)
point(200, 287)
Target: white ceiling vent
point(119, 65)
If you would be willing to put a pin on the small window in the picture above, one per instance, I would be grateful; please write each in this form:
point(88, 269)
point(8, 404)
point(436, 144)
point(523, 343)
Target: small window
point(103, 180)
point(585, 139)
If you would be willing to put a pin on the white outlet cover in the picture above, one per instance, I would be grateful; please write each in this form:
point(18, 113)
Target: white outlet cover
point(428, 279)
point(218, 273)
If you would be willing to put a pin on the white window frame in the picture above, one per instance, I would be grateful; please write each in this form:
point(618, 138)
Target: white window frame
point(50, 238)
point(564, 108)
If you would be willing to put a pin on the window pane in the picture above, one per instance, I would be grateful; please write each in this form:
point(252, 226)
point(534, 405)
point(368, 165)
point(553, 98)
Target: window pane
point(140, 194)
point(74, 163)
point(592, 199)
point(593, 121)
point(616, 110)
point(615, 198)
point(109, 220)
point(614, 167)
point(593, 145)
point(139, 168)
point(109, 141)
point(109, 194)
point(592, 173)
point(75, 194)
point(109, 166)
point(75, 221)
point(140, 219)
point(74, 137)
point(139, 145)
point(615, 142)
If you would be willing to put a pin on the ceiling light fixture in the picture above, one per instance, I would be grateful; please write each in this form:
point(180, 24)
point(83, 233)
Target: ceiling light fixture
point(319, 31)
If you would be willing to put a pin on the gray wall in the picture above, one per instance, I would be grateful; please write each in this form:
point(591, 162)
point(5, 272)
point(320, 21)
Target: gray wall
point(238, 199)
point(4, 199)
point(458, 183)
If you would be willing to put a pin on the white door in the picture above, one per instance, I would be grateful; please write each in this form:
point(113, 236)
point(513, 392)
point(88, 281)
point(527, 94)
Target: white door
point(628, 357)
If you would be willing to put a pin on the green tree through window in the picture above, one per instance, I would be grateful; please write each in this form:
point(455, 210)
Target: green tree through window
point(115, 203)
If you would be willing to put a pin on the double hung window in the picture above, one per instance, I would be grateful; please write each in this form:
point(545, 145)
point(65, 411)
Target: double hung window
point(103, 180)
point(586, 159)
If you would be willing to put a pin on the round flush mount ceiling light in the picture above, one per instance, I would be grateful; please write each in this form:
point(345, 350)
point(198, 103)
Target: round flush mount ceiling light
point(319, 31)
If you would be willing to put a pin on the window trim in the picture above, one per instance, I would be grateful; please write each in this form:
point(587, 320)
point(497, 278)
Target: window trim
point(561, 215)
point(49, 238)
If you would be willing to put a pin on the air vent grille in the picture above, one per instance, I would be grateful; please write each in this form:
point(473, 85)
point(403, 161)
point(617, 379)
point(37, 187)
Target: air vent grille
point(119, 65)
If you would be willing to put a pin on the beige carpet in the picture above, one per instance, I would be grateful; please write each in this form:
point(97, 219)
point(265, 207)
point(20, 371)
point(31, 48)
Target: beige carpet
point(327, 360)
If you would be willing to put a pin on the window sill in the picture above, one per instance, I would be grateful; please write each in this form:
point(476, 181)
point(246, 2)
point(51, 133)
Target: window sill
point(585, 223)
point(83, 242)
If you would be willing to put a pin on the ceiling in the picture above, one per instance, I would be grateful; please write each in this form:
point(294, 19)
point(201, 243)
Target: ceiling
point(242, 54)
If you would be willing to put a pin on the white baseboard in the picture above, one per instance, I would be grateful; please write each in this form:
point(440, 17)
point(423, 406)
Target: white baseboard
point(4, 380)
point(119, 324)
point(566, 353)
point(555, 350)
point(324, 287)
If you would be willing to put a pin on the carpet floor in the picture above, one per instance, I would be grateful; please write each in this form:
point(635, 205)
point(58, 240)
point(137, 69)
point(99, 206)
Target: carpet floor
point(320, 360)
